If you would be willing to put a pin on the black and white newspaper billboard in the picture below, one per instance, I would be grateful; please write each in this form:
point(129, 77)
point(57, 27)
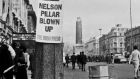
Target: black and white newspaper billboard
point(49, 21)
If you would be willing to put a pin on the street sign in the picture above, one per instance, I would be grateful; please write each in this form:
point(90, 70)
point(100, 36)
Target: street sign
point(49, 21)
point(24, 36)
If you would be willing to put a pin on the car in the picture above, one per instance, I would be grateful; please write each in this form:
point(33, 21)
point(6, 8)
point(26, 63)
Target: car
point(119, 58)
point(64, 61)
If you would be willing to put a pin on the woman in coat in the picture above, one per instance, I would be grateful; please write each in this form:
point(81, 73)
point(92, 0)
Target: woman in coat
point(21, 65)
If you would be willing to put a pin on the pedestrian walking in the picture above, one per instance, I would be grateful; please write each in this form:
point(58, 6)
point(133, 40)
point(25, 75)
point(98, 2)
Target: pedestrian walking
point(6, 62)
point(78, 57)
point(20, 68)
point(32, 62)
point(135, 59)
point(84, 60)
point(27, 56)
point(108, 58)
point(10, 49)
point(67, 60)
point(73, 60)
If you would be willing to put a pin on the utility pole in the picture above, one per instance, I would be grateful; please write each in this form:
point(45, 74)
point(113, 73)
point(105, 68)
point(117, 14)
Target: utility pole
point(131, 45)
point(100, 31)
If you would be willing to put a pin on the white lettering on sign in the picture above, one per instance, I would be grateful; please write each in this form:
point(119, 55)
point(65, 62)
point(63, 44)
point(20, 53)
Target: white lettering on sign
point(49, 22)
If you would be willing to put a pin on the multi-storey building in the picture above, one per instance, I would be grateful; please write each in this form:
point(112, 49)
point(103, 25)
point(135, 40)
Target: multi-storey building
point(31, 27)
point(6, 19)
point(132, 37)
point(114, 41)
point(20, 15)
point(13, 17)
point(103, 45)
point(92, 47)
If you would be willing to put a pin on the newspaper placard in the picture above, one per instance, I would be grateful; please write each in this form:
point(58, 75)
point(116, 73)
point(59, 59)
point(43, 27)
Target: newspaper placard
point(49, 21)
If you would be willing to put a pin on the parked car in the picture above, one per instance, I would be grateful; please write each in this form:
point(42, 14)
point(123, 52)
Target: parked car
point(64, 61)
point(119, 58)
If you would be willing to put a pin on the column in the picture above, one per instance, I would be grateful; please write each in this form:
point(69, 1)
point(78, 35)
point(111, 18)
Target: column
point(49, 61)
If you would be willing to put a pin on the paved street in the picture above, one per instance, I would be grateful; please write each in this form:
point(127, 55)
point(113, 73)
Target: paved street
point(119, 71)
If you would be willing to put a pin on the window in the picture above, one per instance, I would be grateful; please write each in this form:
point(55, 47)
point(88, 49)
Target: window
point(120, 39)
point(115, 44)
point(115, 39)
point(122, 29)
point(120, 34)
point(115, 34)
point(121, 44)
point(118, 29)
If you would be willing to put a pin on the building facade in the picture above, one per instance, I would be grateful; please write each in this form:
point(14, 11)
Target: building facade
point(6, 20)
point(92, 47)
point(103, 45)
point(20, 15)
point(132, 37)
point(31, 24)
point(114, 41)
point(13, 18)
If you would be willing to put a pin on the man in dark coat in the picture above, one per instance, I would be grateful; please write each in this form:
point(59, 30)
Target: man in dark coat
point(67, 60)
point(73, 60)
point(6, 61)
point(20, 63)
point(84, 60)
point(78, 60)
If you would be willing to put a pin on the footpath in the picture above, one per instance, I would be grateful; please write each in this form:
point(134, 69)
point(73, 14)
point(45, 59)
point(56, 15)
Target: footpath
point(119, 71)
point(77, 73)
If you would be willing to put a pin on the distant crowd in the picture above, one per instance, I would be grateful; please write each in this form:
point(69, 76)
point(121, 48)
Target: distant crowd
point(100, 58)
point(80, 59)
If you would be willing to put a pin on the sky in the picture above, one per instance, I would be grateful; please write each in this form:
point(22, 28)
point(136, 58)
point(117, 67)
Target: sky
point(96, 14)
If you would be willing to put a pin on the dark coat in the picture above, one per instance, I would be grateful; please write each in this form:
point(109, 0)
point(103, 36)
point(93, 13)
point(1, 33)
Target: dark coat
point(78, 58)
point(83, 59)
point(6, 61)
point(73, 58)
point(67, 59)
point(5, 58)
point(21, 72)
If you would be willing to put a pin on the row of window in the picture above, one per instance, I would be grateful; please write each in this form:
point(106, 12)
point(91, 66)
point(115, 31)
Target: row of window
point(118, 34)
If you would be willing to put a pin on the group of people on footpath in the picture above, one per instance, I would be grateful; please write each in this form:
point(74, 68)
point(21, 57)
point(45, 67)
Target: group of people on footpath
point(80, 59)
point(14, 61)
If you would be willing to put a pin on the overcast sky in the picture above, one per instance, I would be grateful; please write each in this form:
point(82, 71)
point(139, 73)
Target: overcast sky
point(96, 14)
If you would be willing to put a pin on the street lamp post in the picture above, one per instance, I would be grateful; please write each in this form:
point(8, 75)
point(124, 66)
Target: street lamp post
point(100, 31)
point(131, 25)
